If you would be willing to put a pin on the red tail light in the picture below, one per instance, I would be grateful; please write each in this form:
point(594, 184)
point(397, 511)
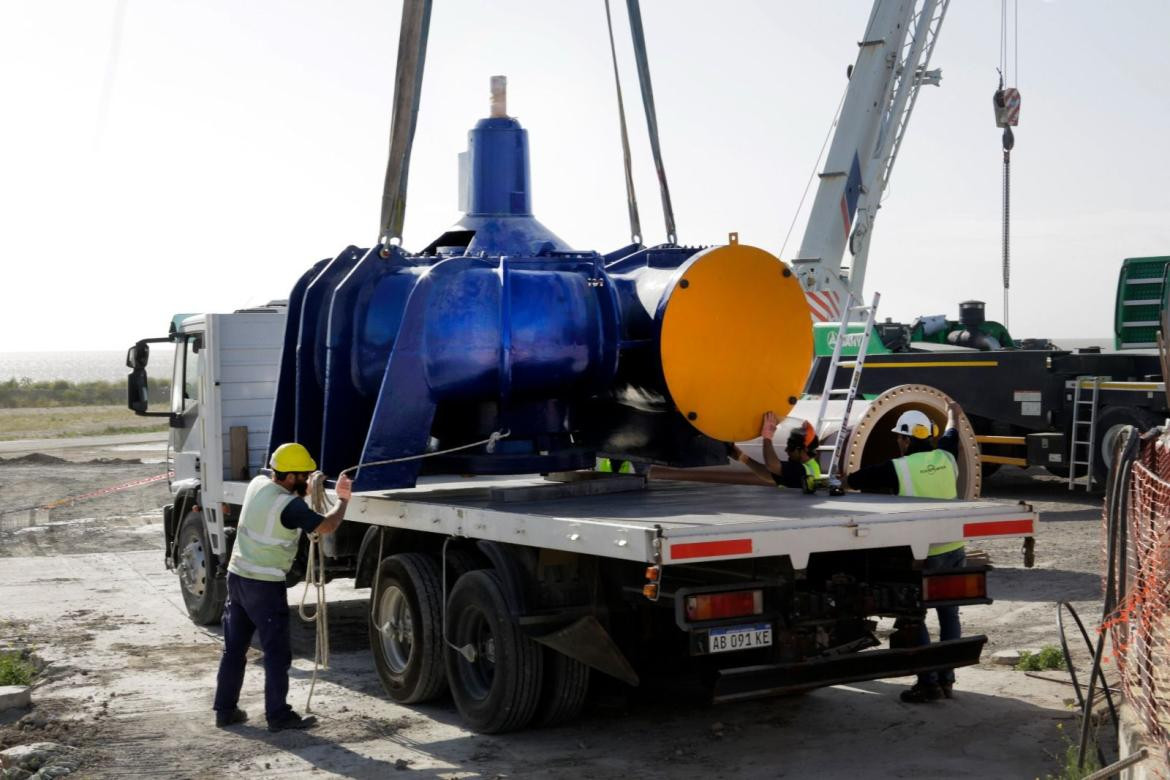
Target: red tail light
point(954, 587)
point(711, 606)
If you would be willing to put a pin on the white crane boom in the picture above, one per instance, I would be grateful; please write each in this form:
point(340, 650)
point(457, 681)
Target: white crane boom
point(883, 87)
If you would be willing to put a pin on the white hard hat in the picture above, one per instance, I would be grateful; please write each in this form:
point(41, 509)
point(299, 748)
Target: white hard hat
point(914, 424)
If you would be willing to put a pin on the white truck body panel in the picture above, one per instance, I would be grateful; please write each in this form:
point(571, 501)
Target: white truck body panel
point(238, 369)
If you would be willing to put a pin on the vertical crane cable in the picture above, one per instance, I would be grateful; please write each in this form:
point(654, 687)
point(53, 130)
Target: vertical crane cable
point(631, 197)
point(639, 38)
point(1009, 39)
point(412, 54)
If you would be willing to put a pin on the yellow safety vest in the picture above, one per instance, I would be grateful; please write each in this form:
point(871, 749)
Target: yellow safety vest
point(606, 465)
point(264, 548)
point(929, 475)
point(812, 474)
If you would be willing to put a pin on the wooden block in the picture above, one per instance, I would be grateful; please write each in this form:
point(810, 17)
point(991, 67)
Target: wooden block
point(238, 452)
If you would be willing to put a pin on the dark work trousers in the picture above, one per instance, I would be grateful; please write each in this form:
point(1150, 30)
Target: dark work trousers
point(948, 617)
point(255, 605)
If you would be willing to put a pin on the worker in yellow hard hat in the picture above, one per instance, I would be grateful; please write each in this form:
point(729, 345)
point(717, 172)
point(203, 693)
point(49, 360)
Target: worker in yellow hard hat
point(273, 517)
point(928, 471)
point(800, 470)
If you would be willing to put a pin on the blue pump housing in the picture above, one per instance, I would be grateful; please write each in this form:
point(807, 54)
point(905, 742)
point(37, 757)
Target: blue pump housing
point(497, 325)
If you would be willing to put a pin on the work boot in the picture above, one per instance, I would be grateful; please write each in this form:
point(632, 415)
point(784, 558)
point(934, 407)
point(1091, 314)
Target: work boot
point(948, 690)
point(229, 718)
point(920, 693)
point(291, 720)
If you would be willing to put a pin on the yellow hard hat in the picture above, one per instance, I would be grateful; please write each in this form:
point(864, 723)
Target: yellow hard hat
point(292, 457)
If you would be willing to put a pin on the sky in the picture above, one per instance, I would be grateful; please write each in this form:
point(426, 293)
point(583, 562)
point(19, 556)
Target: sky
point(199, 156)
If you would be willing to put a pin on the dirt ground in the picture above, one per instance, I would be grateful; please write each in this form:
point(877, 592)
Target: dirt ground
point(130, 680)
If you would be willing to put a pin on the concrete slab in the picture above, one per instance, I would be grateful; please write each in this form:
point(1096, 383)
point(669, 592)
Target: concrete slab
point(14, 697)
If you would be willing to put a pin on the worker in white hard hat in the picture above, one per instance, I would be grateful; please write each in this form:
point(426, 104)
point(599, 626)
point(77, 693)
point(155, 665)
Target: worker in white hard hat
point(928, 471)
point(272, 519)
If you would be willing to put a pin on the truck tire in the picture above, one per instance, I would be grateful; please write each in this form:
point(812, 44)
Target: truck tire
point(564, 689)
point(460, 561)
point(408, 653)
point(500, 689)
point(1110, 423)
point(204, 589)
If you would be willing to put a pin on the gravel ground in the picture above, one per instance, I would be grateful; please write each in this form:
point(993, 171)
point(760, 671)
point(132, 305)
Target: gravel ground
point(129, 679)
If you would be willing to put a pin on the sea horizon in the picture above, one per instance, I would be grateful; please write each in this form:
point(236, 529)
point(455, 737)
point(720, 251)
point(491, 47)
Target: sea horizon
point(110, 365)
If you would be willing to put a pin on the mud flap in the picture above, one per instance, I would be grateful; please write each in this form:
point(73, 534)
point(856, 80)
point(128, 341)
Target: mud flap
point(773, 679)
point(587, 641)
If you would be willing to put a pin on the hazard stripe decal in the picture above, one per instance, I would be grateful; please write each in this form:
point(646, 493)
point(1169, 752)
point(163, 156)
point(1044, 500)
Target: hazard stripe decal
point(710, 549)
point(997, 528)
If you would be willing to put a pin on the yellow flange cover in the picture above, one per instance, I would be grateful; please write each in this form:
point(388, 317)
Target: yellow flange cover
point(736, 340)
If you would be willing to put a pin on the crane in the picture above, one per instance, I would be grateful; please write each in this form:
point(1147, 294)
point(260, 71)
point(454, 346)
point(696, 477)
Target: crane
point(892, 63)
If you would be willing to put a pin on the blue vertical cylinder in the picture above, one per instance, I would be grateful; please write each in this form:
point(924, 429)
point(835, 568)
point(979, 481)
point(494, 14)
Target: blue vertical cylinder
point(498, 157)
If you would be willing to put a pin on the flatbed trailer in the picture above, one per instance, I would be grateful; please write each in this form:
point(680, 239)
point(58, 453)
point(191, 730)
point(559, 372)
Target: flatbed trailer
point(512, 591)
point(1013, 394)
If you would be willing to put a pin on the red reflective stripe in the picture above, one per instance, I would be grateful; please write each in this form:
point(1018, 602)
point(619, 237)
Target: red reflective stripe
point(821, 310)
point(709, 549)
point(997, 527)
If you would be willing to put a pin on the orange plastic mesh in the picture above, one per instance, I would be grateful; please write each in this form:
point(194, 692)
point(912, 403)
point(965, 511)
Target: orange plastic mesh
point(1140, 625)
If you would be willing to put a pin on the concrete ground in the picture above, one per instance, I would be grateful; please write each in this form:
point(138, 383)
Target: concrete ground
point(130, 679)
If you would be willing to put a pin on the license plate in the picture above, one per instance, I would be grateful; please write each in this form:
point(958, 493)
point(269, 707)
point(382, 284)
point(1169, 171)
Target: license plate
point(724, 640)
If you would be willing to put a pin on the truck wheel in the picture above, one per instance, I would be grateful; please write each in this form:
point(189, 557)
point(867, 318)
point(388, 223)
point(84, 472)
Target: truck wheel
point(498, 689)
point(1110, 423)
point(405, 628)
point(460, 561)
point(204, 591)
point(564, 689)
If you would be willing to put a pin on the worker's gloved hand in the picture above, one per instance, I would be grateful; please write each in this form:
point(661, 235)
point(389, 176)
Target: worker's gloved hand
point(344, 488)
point(768, 426)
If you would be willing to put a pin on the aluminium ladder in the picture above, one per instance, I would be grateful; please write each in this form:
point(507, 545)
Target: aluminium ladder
point(850, 393)
point(1078, 425)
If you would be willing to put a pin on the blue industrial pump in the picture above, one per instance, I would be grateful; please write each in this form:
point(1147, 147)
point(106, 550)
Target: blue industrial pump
point(498, 325)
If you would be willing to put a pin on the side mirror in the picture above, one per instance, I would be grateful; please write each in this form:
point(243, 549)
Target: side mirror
point(137, 356)
point(137, 384)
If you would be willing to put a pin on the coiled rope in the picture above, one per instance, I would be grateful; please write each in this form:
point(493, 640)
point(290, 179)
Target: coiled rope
point(315, 578)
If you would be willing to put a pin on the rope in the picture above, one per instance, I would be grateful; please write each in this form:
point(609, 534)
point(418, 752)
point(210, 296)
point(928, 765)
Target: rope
point(631, 198)
point(315, 578)
point(315, 569)
point(639, 38)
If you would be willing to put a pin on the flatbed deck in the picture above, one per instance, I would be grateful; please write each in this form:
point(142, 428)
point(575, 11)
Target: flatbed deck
point(673, 522)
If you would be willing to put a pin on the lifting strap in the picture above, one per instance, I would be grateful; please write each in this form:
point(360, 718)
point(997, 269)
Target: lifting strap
point(412, 54)
point(631, 198)
point(639, 38)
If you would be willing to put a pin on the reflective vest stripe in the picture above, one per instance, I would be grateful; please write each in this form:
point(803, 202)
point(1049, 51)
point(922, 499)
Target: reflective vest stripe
point(262, 539)
point(253, 568)
point(905, 483)
point(273, 518)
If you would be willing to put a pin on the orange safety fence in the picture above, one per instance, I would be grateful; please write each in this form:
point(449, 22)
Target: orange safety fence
point(1140, 624)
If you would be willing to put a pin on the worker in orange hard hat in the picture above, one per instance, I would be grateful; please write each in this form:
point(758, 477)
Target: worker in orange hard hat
point(273, 517)
point(801, 470)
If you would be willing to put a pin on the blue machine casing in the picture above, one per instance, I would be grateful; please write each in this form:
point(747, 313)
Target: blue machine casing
point(497, 325)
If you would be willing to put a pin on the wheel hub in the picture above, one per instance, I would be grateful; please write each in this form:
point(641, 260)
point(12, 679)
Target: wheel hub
point(193, 567)
point(397, 628)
